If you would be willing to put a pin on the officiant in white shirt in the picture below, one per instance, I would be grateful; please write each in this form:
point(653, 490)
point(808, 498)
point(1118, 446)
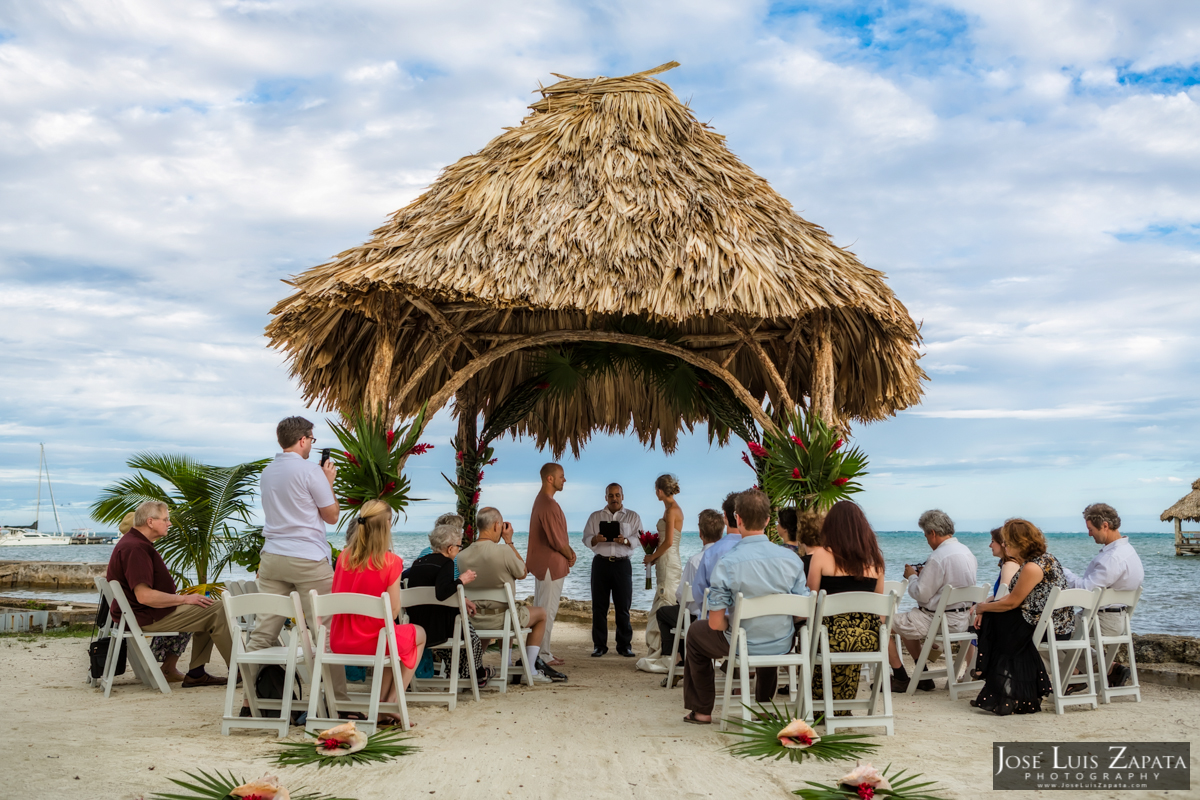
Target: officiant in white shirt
point(612, 535)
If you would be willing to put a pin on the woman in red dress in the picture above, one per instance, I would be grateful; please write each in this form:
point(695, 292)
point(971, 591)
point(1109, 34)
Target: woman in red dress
point(368, 566)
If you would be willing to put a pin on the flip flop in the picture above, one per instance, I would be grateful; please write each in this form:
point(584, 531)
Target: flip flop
point(691, 718)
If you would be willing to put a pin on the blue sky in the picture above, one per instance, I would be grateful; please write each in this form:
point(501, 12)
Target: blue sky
point(1026, 173)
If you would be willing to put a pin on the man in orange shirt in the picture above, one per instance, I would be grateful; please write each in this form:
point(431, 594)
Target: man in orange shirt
point(549, 557)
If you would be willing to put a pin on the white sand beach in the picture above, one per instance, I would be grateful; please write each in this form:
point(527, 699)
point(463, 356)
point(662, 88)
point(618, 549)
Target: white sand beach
point(609, 732)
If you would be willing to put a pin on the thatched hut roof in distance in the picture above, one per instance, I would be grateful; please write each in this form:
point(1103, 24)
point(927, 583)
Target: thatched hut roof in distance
point(1188, 507)
point(609, 201)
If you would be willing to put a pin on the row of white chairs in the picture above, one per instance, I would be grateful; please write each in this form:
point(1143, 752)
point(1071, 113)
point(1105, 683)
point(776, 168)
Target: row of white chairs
point(1060, 656)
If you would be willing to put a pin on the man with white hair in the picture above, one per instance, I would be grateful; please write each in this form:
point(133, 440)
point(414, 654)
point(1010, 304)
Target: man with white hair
point(952, 566)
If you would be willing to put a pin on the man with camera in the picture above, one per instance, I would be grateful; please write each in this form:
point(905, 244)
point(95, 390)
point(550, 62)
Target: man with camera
point(952, 566)
point(298, 502)
point(612, 534)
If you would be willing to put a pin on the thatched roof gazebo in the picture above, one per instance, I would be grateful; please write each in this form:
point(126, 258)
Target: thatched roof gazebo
point(609, 215)
point(1187, 509)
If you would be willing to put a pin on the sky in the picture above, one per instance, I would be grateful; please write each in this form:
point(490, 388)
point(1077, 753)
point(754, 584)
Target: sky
point(1025, 173)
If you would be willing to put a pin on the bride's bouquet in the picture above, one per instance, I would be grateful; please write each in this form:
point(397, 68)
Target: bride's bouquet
point(649, 541)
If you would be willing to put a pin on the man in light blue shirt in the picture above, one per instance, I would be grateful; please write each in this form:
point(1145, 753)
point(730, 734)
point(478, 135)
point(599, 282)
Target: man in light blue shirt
point(754, 567)
point(711, 555)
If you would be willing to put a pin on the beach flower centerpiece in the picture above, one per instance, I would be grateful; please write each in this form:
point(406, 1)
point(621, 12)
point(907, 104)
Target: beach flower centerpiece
point(797, 735)
point(772, 733)
point(225, 786)
point(865, 782)
point(265, 788)
point(649, 542)
point(344, 745)
point(341, 740)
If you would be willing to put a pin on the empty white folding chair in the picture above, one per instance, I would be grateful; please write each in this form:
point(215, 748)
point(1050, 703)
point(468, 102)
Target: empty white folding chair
point(127, 630)
point(1109, 646)
point(1061, 656)
point(682, 623)
point(509, 633)
point(940, 635)
point(740, 660)
point(290, 655)
point(882, 606)
point(324, 607)
point(901, 589)
point(456, 644)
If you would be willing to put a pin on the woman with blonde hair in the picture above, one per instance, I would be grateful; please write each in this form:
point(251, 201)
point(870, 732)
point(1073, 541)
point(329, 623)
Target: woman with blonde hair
point(1014, 677)
point(368, 566)
point(668, 568)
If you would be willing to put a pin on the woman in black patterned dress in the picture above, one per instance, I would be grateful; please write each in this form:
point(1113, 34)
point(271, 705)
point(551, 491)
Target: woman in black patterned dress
point(1014, 677)
point(849, 561)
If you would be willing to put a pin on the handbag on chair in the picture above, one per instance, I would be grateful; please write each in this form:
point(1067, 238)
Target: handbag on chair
point(98, 648)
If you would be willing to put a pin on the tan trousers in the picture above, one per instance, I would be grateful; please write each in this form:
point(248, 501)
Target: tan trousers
point(283, 575)
point(207, 625)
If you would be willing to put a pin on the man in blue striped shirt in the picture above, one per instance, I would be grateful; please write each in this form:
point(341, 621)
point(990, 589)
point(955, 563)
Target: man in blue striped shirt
point(754, 567)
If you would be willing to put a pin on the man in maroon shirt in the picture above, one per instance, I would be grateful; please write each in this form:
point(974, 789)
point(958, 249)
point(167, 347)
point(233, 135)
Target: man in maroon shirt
point(549, 557)
point(148, 586)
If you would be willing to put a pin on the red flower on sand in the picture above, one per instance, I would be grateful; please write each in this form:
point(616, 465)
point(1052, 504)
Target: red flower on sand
point(796, 474)
point(350, 458)
point(758, 450)
point(866, 791)
point(255, 797)
point(840, 481)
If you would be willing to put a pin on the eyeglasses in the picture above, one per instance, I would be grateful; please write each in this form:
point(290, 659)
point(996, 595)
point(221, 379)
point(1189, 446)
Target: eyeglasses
point(311, 438)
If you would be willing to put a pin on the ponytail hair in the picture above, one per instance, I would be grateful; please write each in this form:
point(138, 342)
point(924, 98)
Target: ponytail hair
point(373, 538)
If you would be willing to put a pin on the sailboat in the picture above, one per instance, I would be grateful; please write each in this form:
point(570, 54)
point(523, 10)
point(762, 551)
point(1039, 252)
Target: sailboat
point(29, 534)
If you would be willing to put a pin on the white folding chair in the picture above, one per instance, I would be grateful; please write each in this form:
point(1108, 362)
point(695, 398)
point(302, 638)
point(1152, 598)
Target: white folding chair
point(290, 655)
point(682, 623)
point(941, 636)
point(324, 606)
point(901, 589)
point(740, 660)
point(510, 631)
point(1107, 647)
point(1053, 650)
point(127, 630)
point(878, 605)
point(456, 644)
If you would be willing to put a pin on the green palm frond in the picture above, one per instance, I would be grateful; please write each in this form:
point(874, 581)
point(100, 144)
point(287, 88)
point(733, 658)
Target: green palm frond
point(217, 787)
point(386, 744)
point(806, 465)
point(760, 740)
point(905, 786)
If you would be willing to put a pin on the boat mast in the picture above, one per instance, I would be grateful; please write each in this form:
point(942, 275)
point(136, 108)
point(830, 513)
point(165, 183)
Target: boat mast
point(49, 486)
point(38, 522)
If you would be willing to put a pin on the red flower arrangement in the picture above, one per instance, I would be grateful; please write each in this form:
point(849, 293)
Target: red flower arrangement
point(649, 542)
point(758, 450)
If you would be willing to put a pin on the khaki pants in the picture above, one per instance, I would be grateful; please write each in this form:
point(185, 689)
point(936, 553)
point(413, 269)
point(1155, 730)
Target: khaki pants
point(546, 594)
point(284, 575)
point(207, 625)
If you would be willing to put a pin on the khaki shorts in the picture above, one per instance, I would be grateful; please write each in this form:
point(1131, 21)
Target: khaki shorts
point(912, 625)
point(489, 615)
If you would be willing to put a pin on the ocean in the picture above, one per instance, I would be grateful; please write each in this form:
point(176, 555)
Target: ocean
point(1170, 602)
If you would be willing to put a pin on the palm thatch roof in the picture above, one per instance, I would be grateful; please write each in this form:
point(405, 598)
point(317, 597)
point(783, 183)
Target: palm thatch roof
point(1188, 507)
point(609, 203)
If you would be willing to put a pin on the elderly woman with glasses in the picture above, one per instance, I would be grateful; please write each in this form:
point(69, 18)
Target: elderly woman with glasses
point(437, 569)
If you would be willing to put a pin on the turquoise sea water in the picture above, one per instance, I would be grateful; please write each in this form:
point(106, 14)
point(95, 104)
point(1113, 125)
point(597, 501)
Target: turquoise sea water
point(1170, 602)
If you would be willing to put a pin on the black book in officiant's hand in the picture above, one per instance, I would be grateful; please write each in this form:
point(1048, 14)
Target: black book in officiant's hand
point(610, 531)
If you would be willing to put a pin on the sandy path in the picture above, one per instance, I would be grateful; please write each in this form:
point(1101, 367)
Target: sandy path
point(609, 732)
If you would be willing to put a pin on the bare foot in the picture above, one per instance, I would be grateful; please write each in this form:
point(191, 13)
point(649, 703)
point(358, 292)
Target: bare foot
point(556, 662)
point(174, 677)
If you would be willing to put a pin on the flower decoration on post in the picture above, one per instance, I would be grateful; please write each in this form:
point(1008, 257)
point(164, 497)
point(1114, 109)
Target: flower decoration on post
point(649, 542)
point(806, 464)
point(372, 458)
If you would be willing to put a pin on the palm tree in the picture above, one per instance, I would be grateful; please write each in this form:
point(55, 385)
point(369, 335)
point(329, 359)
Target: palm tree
point(203, 499)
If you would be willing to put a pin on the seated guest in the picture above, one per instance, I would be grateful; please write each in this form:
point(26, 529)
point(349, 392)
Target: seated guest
point(755, 567)
point(437, 570)
point(952, 566)
point(1014, 677)
point(801, 532)
point(712, 527)
point(1008, 566)
point(712, 555)
point(496, 562)
point(453, 520)
point(148, 586)
point(368, 566)
point(166, 649)
point(849, 561)
point(1116, 566)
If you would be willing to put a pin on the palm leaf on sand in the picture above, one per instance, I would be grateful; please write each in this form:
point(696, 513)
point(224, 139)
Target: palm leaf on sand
point(385, 744)
point(218, 787)
point(905, 786)
point(760, 740)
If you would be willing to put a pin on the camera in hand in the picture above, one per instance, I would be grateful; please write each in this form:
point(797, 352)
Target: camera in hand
point(610, 531)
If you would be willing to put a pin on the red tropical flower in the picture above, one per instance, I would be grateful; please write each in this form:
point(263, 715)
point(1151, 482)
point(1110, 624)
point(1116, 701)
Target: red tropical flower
point(389, 487)
point(353, 501)
point(837, 445)
point(800, 442)
point(866, 791)
point(746, 458)
point(479, 477)
point(420, 449)
point(703, 385)
point(475, 499)
point(840, 481)
point(458, 456)
point(350, 458)
point(493, 461)
point(796, 473)
point(758, 450)
point(391, 439)
point(543, 385)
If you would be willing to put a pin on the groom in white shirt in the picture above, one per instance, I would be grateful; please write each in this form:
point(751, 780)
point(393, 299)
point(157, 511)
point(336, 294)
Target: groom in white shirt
point(612, 534)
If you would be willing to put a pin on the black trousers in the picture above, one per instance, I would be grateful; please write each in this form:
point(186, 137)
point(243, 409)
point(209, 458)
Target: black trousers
point(667, 617)
point(611, 577)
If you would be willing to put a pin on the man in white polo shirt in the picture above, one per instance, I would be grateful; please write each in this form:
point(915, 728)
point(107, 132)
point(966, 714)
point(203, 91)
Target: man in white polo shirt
point(298, 501)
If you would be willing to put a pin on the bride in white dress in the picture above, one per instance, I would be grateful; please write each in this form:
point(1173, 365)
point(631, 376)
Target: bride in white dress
point(668, 569)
